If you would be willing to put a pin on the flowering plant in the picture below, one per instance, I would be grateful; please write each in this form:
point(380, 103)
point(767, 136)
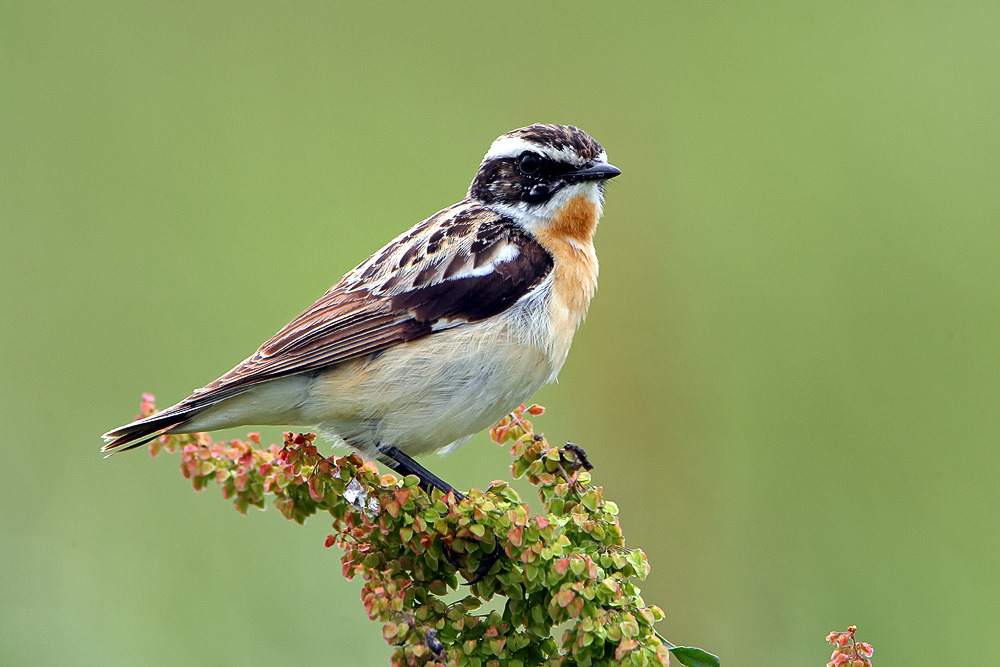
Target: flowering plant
point(566, 567)
point(848, 652)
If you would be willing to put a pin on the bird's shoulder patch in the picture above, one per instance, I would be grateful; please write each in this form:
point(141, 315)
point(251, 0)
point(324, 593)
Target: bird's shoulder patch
point(468, 246)
point(489, 267)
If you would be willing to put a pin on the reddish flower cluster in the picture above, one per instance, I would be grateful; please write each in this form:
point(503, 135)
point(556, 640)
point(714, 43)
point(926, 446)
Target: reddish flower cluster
point(567, 566)
point(849, 653)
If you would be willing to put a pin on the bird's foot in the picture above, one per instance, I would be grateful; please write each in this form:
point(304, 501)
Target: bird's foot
point(487, 563)
point(580, 456)
point(405, 465)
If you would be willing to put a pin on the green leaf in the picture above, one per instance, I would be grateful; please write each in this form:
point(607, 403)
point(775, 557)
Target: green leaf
point(689, 655)
point(399, 550)
point(695, 657)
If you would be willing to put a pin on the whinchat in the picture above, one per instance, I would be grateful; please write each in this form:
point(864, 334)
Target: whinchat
point(440, 333)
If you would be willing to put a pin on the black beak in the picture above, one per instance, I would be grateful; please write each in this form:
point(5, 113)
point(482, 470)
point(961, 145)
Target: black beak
point(598, 172)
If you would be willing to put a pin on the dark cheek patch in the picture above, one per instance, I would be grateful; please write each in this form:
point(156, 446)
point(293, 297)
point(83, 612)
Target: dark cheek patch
point(501, 181)
point(497, 180)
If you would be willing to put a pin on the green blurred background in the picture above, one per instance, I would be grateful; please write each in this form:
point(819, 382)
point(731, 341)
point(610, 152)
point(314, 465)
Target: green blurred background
point(788, 380)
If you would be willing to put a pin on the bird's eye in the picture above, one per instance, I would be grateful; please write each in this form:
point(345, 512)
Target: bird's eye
point(529, 164)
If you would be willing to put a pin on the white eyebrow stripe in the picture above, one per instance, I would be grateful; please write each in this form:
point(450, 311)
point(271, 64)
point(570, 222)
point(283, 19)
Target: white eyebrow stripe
point(509, 147)
point(514, 146)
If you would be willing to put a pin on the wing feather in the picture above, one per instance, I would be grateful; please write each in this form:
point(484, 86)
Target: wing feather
point(428, 274)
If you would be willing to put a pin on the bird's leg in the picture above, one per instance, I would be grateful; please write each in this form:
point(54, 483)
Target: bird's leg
point(405, 465)
point(486, 564)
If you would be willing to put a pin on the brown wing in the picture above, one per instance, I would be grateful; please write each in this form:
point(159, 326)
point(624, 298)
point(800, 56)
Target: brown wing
point(423, 281)
point(462, 265)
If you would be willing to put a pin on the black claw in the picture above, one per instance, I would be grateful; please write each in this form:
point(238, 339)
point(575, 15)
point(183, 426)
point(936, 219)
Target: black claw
point(486, 564)
point(581, 456)
point(449, 556)
point(433, 643)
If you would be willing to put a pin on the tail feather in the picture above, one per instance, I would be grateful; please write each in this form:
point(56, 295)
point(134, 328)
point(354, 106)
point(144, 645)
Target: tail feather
point(130, 445)
point(187, 416)
point(143, 430)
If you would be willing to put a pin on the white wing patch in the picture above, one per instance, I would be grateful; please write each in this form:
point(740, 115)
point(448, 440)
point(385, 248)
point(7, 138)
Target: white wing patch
point(447, 323)
point(508, 253)
point(432, 253)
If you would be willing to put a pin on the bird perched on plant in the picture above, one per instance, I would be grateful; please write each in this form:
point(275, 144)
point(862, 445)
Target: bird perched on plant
point(440, 333)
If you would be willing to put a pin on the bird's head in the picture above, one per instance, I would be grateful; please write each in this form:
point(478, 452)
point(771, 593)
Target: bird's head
point(530, 174)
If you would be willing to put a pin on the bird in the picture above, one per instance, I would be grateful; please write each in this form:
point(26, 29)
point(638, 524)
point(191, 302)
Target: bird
point(443, 331)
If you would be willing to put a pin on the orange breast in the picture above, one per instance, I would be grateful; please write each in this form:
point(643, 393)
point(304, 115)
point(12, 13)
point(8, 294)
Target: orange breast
point(569, 238)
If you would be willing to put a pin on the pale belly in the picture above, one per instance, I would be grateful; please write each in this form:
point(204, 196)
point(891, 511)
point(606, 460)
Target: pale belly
point(424, 396)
